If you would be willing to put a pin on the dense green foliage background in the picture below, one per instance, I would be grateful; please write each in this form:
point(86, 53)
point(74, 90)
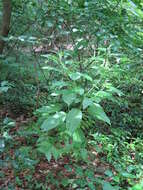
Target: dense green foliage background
point(71, 95)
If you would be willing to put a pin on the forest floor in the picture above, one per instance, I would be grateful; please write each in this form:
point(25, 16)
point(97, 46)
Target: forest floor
point(23, 168)
point(14, 172)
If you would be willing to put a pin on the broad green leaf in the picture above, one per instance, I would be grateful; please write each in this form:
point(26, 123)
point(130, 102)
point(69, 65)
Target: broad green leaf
point(49, 124)
point(4, 89)
point(87, 77)
point(137, 187)
point(78, 136)
point(4, 86)
point(43, 145)
point(84, 154)
point(107, 186)
point(48, 109)
point(114, 90)
point(78, 90)
point(7, 136)
point(47, 148)
point(127, 175)
point(86, 102)
point(75, 76)
point(68, 97)
point(4, 83)
point(73, 119)
point(97, 111)
point(48, 155)
point(59, 84)
point(108, 173)
point(53, 121)
point(55, 152)
point(103, 94)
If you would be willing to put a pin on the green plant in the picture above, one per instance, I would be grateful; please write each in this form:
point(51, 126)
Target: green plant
point(76, 98)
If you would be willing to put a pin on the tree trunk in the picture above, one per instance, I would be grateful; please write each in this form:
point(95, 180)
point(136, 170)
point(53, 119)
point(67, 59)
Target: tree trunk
point(5, 26)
